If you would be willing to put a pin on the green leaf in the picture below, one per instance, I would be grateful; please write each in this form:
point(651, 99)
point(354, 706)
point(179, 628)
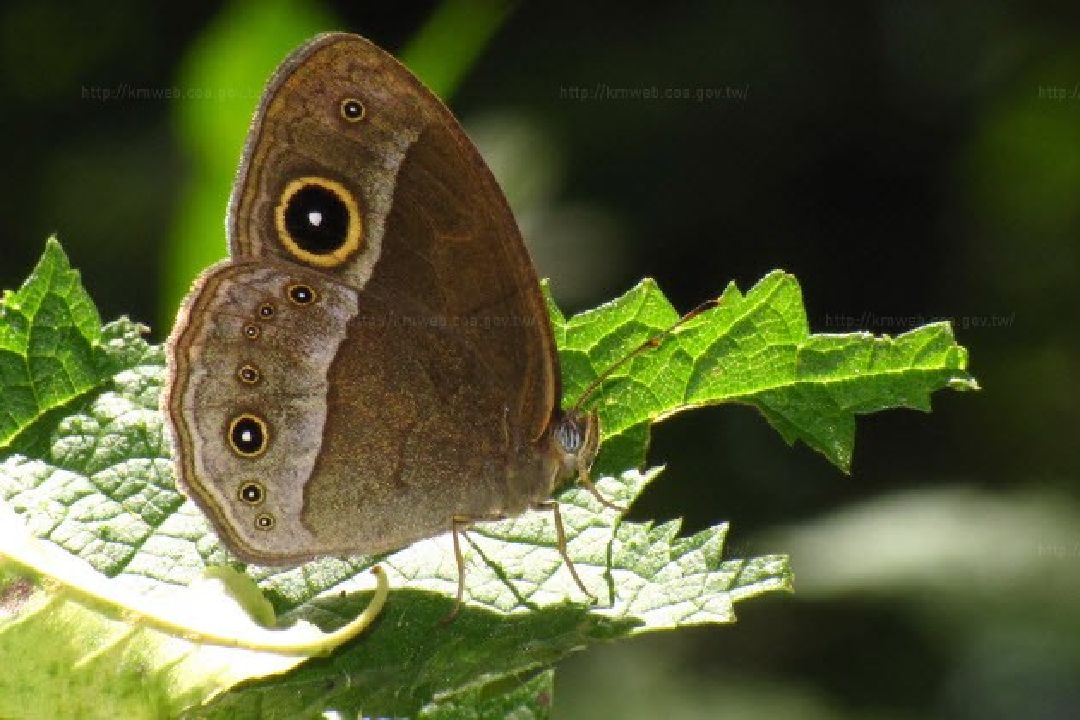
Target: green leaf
point(513, 698)
point(94, 478)
point(48, 330)
point(121, 654)
point(754, 349)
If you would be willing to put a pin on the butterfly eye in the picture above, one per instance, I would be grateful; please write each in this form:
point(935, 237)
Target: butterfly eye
point(352, 110)
point(252, 493)
point(248, 435)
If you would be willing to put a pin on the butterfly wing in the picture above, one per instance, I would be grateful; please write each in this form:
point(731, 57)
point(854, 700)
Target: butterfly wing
point(435, 222)
point(246, 355)
point(435, 381)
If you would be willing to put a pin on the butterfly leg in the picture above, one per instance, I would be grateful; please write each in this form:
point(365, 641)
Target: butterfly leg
point(587, 483)
point(458, 525)
point(560, 543)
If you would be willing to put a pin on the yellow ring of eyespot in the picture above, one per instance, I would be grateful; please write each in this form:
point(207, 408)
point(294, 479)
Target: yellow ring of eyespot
point(262, 426)
point(354, 235)
point(249, 484)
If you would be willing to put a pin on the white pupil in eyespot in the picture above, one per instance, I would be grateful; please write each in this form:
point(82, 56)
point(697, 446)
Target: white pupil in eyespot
point(315, 218)
point(247, 436)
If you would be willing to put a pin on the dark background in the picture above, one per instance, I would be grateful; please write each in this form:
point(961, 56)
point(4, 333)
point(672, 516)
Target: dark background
point(907, 162)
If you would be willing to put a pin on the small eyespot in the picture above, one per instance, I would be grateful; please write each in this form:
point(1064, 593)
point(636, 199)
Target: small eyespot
point(301, 294)
point(352, 110)
point(264, 521)
point(252, 331)
point(248, 435)
point(252, 493)
point(249, 374)
point(266, 311)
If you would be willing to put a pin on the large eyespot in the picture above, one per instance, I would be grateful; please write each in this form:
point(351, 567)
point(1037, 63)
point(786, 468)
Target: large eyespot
point(264, 521)
point(300, 294)
point(318, 221)
point(248, 435)
point(352, 110)
point(251, 493)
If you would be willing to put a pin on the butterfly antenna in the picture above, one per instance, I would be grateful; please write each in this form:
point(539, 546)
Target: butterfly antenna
point(651, 344)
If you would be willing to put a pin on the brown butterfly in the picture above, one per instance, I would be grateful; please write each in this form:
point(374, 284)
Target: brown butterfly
point(373, 364)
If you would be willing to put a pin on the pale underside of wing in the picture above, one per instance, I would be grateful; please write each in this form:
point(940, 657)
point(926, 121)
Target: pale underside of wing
point(221, 332)
point(376, 421)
